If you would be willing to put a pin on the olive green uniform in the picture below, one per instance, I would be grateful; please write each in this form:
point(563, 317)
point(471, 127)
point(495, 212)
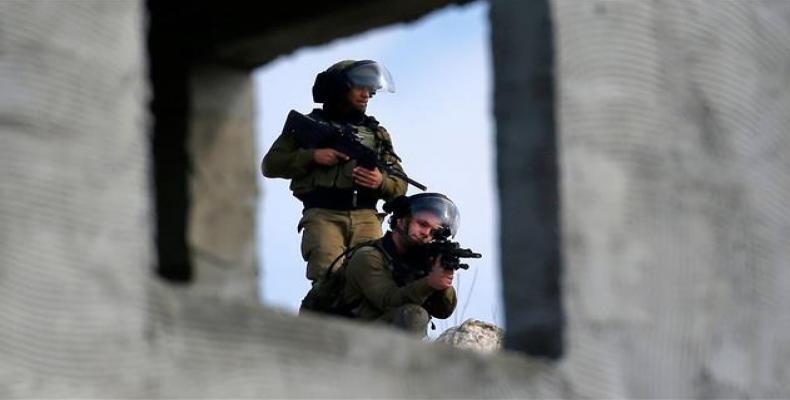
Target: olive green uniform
point(336, 215)
point(381, 286)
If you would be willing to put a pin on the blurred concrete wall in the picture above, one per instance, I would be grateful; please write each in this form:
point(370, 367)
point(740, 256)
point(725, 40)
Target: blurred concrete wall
point(675, 164)
point(75, 198)
point(83, 314)
point(672, 156)
point(221, 233)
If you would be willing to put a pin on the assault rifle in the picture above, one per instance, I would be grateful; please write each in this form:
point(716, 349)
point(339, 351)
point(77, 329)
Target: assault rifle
point(313, 134)
point(450, 251)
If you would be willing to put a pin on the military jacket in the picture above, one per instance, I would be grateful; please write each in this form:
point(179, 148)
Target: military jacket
point(287, 159)
point(373, 286)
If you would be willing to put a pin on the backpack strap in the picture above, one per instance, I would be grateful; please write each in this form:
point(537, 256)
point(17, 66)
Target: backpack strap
point(347, 310)
point(351, 250)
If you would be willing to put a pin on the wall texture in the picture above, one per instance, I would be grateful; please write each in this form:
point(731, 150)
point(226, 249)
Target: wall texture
point(75, 222)
point(672, 179)
point(675, 163)
point(221, 233)
point(83, 314)
point(527, 175)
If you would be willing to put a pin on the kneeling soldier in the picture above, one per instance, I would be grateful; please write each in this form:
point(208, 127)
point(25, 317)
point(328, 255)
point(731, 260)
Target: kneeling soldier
point(394, 280)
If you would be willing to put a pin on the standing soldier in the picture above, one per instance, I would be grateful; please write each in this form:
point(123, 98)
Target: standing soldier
point(339, 197)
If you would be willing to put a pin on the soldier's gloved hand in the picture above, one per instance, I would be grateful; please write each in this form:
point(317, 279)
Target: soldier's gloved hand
point(440, 278)
point(368, 178)
point(328, 157)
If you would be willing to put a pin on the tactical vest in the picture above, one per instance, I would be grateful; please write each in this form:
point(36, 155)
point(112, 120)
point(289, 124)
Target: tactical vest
point(371, 134)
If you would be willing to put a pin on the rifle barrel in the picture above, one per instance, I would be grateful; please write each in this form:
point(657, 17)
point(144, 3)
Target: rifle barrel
point(403, 176)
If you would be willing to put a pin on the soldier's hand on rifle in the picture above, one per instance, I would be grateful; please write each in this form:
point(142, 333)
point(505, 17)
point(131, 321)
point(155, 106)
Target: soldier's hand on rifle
point(440, 278)
point(368, 178)
point(328, 157)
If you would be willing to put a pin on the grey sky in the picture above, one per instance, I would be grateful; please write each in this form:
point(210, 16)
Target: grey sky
point(442, 126)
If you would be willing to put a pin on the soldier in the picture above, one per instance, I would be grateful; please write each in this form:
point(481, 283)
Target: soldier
point(339, 197)
point(392, 281)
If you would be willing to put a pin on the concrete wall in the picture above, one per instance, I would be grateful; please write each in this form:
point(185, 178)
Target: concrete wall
point(207, 349)
point(527, 176)
point(675, 165)
point(75, 199)
point(221, 233)
point(83, 314)
point(672, 176)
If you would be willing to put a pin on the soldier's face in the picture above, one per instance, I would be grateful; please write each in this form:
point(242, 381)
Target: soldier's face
point(421, 227)
point(358, 97)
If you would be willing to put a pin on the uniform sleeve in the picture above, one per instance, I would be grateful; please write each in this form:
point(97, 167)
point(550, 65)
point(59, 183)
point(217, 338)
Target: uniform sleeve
point(391, 187)
point(368, 272)
point(441, 304)
point(286, 159)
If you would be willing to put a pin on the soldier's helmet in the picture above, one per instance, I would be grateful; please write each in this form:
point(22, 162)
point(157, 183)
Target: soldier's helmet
point(333, 84)
point(435, 203)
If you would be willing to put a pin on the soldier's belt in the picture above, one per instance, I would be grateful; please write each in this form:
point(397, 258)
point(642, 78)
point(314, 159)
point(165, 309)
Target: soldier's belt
point(338, 199)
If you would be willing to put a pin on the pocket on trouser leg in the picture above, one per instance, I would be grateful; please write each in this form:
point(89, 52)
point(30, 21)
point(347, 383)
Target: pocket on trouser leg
point(307, 216)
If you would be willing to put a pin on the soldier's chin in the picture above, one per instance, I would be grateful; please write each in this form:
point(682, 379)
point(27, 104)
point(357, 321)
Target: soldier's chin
point(417, 241)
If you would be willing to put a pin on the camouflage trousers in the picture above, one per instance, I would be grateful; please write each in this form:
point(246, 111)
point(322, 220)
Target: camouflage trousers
point(328, 233)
